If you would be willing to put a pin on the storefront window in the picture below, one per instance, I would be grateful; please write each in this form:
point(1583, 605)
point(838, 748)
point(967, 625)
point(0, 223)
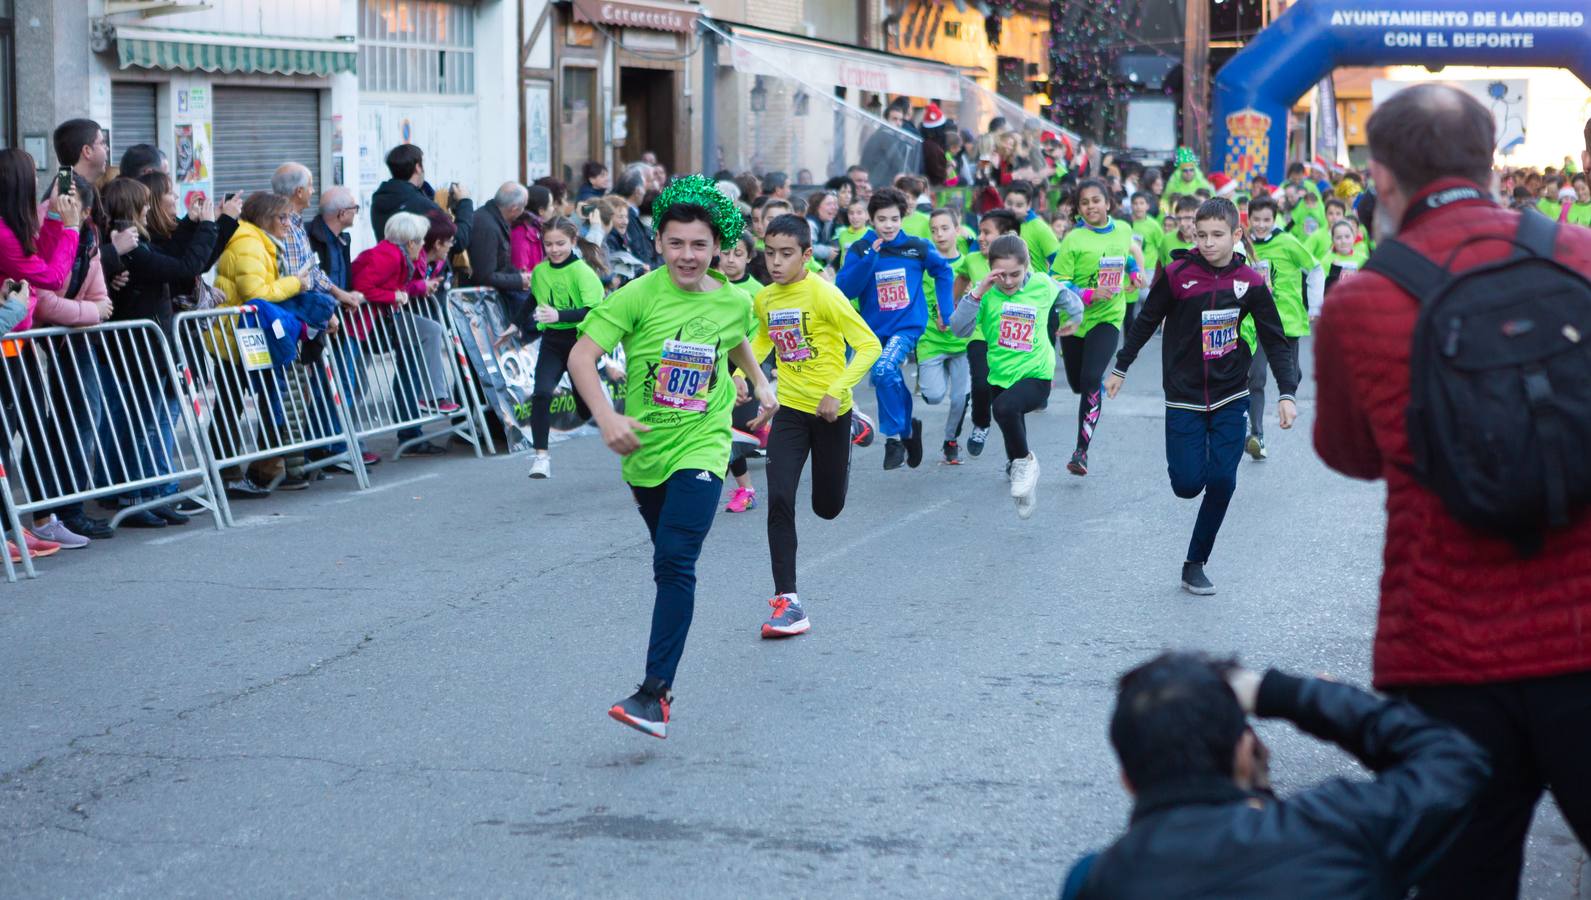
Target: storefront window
point(578, 114)
point(416, 47)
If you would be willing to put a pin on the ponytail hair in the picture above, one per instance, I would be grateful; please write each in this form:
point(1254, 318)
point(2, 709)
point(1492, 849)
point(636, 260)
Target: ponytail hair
point(565, 226)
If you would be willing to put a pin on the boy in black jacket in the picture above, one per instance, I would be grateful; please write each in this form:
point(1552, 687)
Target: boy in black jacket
point(1202, 295)
point(1205, 824)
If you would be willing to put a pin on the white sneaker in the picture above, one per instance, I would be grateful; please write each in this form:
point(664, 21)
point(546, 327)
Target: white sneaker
point(1026, 503)
point(56, 530)
point(1024, 475)
point(541, 466)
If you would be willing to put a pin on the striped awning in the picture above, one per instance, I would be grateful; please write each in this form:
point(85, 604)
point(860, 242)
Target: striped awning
point(207, 51)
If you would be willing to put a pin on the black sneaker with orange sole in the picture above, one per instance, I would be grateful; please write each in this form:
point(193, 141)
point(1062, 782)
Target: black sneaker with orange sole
point(952, 453)
point(646, 710)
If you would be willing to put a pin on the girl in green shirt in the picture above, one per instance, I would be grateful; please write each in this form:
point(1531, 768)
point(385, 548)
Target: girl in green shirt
point(971, 269)
point(735, 264)
point(1097, 262)
point(1346, 255)
point(856, 225)
point(1016, 311)
point(564, 290)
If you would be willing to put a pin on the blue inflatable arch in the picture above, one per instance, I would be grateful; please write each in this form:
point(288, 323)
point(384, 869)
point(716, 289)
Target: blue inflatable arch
point(1256, 89)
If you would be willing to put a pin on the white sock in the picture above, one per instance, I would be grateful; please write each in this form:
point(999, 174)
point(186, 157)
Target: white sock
point(792, 598)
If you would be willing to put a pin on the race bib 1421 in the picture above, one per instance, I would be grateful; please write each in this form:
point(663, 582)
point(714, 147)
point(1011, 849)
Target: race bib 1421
point(1219, 328)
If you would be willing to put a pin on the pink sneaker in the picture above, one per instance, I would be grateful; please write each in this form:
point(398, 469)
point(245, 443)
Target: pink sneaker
point(744, 499)
point(445, 407)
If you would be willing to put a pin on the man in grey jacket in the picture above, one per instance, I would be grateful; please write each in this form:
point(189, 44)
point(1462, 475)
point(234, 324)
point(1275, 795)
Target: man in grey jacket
point(491, 259)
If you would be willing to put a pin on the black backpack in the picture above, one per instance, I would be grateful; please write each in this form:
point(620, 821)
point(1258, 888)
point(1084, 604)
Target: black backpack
point(1499, 415)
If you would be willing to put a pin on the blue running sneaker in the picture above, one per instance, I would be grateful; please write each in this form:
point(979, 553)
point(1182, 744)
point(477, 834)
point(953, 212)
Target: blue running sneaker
point(788, 619)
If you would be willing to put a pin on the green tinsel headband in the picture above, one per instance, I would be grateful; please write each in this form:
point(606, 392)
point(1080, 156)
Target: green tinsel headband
point(698, 190)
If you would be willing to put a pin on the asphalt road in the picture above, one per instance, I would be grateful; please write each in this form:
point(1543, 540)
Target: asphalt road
point(403, 692)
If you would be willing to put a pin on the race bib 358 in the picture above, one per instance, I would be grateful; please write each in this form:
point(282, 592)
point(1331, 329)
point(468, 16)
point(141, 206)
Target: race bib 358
point(892, 292)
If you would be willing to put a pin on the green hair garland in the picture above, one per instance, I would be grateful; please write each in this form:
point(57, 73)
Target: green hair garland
point(698, 190)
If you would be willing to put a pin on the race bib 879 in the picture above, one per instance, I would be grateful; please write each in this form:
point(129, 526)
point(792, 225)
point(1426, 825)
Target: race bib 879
point(684, 371)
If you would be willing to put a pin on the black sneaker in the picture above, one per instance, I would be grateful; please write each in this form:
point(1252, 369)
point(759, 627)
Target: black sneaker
point(93, 529)
point(293, 483)
point(952, 453)
point(1194, 581)
point(246, 489)
point(1079, 464)
point(914, 445)
point(646, 710)
point(894, 453)
point(143, 519)
point(976, 440)
point(170, 514)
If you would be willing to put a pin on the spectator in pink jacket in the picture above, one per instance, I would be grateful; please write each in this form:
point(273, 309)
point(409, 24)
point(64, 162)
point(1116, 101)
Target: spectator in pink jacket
point(42, 257)
point(390, 275)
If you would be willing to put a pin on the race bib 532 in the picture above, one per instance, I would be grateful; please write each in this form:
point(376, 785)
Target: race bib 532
point(1016, 326)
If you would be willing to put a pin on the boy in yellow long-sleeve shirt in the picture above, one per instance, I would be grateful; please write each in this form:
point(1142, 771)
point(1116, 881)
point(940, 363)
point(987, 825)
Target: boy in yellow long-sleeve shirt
point(806, 323)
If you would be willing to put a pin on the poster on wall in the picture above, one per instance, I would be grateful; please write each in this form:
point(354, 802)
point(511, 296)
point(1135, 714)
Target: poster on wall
point(447, 132)
point(1505, 97)
point(191, 164)
point(538, 130)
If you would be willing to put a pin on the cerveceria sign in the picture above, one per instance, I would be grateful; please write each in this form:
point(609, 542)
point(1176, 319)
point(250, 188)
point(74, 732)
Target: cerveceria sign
point(658, 15)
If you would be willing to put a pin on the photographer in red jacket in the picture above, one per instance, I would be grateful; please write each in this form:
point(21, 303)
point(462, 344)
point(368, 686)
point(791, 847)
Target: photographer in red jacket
point(1473, 631)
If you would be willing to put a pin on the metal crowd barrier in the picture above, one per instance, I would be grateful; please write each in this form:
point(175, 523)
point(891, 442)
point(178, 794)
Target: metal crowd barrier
point(96, 412)
point(396, 365)
point(254, 408)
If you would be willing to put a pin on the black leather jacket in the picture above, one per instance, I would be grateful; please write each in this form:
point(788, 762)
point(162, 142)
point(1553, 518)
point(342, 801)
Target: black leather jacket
point(1340, 839)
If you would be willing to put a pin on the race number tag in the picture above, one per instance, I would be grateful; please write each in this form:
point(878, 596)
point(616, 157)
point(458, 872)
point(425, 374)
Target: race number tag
point(1016, 326)
point(683, 374)
point(1347, 265)
point(1220, 332)
point(892, 293)
point(1111, 269)
point(784, 329)
point(253, 349)
point(1263, 267)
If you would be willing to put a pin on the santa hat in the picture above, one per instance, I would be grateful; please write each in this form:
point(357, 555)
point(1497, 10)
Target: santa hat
point(1224, 185)
point(1566, 195)
point(933, 117)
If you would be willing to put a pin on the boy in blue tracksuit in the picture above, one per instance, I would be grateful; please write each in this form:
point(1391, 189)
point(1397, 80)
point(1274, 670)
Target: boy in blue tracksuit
point(884, 270)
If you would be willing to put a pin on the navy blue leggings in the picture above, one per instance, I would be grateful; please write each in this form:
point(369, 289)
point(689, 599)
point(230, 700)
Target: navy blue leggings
point(678, 514)
point(1202, 453)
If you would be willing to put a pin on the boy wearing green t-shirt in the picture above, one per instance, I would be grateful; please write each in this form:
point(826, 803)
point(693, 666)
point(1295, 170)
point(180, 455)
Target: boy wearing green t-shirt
point(942, 368)
point(1041, 240)
point(679, 325)
point(1182, 237)
point(914, 223)
point(970, 270)
point(806, 324)
point(1297, 283)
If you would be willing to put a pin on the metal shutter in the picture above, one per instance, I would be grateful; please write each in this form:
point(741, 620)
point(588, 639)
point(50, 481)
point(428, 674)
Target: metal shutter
point(132, 117)
point(258, 129)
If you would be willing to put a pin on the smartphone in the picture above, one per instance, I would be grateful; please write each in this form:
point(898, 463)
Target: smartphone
point(10, 287)
point(121, 225)
point(229, 196)
point(63, 180)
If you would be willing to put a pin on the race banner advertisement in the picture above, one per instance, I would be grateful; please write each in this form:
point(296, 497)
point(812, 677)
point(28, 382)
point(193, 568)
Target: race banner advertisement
point(506, 368)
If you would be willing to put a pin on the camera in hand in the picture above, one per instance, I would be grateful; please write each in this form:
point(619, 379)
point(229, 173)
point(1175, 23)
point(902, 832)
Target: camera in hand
point(63, 181)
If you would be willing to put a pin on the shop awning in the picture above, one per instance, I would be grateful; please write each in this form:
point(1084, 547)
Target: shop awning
point(757, 51)
point(658, 15)
point(207, 51)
